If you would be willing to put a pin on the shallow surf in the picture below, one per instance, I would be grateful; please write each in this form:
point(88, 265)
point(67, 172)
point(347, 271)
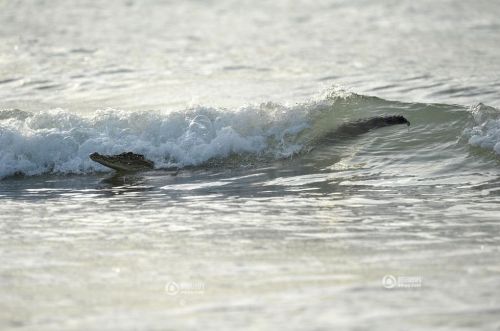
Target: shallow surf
point(271, 218)
point(390, 227)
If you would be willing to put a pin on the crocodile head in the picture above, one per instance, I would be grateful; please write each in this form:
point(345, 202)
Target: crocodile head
point(123, 162)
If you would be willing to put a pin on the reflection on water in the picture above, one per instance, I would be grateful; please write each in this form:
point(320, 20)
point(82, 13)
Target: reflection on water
point(208, 247)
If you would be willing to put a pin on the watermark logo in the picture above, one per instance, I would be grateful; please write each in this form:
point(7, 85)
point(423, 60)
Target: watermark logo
point(176, 288)
point(390, 281)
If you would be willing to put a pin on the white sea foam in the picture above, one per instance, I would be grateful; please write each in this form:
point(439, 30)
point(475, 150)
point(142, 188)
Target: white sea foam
point(486, 134)
point(57, 141)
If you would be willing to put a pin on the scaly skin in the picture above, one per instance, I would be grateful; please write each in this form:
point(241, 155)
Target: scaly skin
point(123, 162)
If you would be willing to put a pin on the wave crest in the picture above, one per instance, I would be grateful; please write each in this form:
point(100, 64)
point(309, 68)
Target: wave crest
point(57, 141)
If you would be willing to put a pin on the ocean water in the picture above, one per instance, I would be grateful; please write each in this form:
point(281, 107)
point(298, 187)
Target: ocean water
point(271, 218)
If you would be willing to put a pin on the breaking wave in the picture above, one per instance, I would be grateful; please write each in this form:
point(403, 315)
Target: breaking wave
point(58, 141)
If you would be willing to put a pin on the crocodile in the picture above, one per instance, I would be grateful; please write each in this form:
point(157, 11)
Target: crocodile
point(123, 162)
point(130, 161)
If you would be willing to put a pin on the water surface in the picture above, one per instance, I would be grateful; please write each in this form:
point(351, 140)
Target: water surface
point(273, 219)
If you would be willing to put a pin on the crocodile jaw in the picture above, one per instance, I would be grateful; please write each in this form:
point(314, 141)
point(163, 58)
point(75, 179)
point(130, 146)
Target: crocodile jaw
point(114, 162)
